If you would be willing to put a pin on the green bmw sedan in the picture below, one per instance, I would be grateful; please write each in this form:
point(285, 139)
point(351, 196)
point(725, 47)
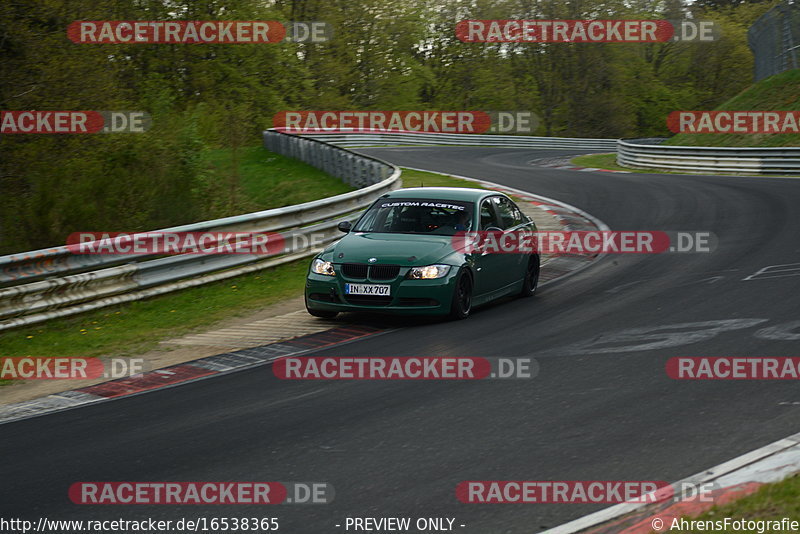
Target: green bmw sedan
point(415, 251)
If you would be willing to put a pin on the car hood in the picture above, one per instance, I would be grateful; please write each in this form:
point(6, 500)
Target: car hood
point(396, 249)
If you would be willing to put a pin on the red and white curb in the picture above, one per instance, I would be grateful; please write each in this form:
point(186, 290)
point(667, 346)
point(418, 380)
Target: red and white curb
point(570, 217)
point(583, 169)
point(184, 373)
point(731, 480)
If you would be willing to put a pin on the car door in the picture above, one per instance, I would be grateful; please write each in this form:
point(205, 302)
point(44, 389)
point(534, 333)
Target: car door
point(512, 221)
point(489, 264)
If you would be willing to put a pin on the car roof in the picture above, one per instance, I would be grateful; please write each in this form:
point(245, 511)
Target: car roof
point(441, 193)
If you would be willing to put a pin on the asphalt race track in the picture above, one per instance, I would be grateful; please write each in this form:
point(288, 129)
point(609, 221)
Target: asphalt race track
point(601, 408)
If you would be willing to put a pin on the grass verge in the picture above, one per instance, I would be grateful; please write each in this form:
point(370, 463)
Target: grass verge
point(771, 502)
point(601, 161)
point(412, 178)
point(137, 326)
point(609, 162)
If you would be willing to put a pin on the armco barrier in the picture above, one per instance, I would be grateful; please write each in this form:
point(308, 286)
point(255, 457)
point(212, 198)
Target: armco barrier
point(649, 154)
point(44, 284)
point(641, 153)
point(441, 139)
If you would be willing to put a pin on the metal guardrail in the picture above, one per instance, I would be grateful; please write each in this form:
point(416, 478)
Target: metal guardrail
point(649, 154)
point(441, 139)
point(54, 282)
point(642, 153)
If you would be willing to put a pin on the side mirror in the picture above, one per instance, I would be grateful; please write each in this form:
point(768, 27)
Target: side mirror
point(345, 226)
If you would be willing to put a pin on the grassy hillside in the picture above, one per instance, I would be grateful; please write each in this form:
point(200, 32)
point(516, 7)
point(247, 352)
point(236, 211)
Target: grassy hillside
point(136, 194)
point(254, 178)
point(776, 93)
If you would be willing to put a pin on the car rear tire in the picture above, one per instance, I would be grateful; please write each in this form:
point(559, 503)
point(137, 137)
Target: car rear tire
point(531, 281)
point(462, 296)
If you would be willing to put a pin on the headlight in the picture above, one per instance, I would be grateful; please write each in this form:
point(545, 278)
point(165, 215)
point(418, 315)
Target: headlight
point(428, 272)
point(322, 267)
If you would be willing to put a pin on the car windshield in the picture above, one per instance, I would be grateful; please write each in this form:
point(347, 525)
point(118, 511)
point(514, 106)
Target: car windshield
point(417, 216)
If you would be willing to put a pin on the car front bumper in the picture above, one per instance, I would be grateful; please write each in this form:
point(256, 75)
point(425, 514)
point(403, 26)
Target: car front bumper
point(408, 297)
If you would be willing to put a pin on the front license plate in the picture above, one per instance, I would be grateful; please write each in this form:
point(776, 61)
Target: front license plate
point(368, 289)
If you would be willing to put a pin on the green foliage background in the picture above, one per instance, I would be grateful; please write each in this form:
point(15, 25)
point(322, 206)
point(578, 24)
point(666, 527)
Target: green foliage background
point(386, 54)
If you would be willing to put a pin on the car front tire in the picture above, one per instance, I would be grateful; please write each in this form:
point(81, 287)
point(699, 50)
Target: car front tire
point(462, 296)
point(531, 281)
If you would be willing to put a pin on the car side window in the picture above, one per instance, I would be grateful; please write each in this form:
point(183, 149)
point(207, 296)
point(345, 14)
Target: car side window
point(522, 217)
point(487, 215)
point(510, 215)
